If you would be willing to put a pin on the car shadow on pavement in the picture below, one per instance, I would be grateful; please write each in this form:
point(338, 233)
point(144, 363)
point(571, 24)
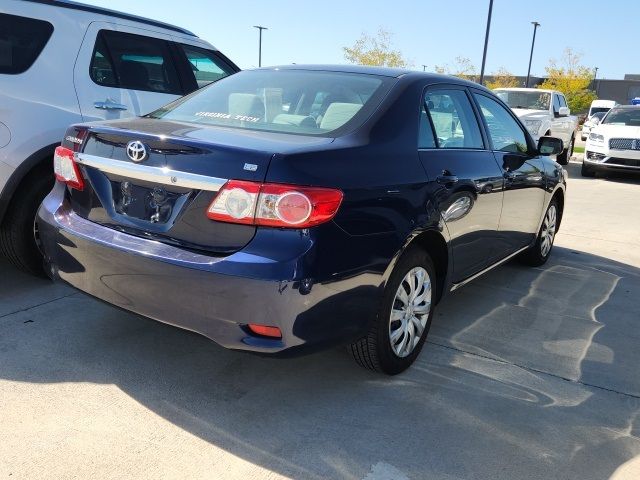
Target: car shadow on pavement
point(528, 373)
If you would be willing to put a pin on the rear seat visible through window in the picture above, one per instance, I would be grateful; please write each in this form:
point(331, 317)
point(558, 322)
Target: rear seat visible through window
point(290, 101)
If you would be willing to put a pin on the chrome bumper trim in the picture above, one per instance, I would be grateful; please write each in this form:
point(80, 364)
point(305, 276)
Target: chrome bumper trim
point(164, 176)
point(603, 164)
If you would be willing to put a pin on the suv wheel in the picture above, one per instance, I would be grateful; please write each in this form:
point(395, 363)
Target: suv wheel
point(19, 240)
point(398, 333)
point(564, 157)
point(539, 253)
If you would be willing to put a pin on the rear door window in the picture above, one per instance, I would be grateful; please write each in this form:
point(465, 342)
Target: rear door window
point(454, 123)
point(205, 65)
point(21, 41)
point(135, 62)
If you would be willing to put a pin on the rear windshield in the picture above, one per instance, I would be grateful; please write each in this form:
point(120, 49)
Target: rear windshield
point(21, 41)
point(525, 100)
point(289, 101)
point(623, 116)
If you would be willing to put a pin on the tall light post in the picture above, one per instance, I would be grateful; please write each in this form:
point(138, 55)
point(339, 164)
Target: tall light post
point(424, 68)
point(260, 28)
point(595, 75)
point(486, 42)
point(533, 42)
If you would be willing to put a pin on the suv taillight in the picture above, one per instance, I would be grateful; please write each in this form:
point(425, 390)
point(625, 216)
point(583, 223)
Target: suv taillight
point(66, 169)
point(274, 205)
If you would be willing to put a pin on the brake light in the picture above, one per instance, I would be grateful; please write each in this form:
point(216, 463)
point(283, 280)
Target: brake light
point(265, 330)
point(274, 205)
point(66, 169)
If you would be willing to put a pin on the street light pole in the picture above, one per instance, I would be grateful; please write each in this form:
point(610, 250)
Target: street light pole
point(260, 28)
point(533, 42)
point(595, 75)
point(486, 42)
point(424, 68)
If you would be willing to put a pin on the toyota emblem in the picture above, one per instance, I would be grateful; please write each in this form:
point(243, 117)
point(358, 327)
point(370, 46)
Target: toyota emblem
point(136, 151)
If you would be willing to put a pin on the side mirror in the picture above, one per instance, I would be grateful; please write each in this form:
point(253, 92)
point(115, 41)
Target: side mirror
point(595, 121)
point(564, 112)
point(550, 146)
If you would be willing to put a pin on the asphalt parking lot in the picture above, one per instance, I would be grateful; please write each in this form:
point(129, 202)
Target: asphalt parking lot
point(527, 374)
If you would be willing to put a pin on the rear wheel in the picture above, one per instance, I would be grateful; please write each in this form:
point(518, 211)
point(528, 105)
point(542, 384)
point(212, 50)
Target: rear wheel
point(400, 329)
point(19, 237)
point(565, 156)
point(539, 253)
point(587, 172)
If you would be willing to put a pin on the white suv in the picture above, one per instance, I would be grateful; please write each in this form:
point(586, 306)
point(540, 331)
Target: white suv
point(64, 62)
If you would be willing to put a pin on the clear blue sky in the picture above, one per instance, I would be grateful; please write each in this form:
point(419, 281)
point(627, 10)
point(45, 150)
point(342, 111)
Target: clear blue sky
point(426, 31)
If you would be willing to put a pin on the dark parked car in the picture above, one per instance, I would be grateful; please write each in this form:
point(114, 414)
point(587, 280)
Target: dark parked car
point(293, 208)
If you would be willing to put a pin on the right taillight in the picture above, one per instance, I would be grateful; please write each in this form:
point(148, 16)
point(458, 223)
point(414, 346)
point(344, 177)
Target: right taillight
point(66, 169)
point(274, 204)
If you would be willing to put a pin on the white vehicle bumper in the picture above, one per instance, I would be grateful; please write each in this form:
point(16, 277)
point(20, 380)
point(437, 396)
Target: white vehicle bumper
point(601, 156)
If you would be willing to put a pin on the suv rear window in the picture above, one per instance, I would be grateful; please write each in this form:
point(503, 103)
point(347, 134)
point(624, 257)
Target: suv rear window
point(21, 41)
point(125, 60)
point(290, 101)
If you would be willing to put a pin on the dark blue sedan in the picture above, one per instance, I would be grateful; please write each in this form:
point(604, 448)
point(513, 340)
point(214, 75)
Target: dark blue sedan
point(294, 208)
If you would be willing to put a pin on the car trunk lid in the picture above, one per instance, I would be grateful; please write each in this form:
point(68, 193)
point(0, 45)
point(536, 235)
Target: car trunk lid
point(164, 194)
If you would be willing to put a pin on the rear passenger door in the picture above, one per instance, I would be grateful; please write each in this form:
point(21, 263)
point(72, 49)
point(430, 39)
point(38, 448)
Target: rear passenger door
point(124, 71)
point(465, 180)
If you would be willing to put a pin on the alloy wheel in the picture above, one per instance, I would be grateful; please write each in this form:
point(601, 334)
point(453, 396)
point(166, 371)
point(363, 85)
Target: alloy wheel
point(410, 311)
point(548, 231)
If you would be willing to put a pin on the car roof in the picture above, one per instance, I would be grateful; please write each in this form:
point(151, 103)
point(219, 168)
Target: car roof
point(380, 71)
point(522, 89)
point(112, 13)
point(626, 107)
point(363, 69)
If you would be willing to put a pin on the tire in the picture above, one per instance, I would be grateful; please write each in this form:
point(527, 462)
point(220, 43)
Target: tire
point(18, 240)
point(540, 252)
point(564, 157)
point(587, 172)
point(374, 351)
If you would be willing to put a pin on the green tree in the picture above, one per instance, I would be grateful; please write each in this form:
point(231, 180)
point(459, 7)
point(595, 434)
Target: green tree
point(502, 78)
point(571, 78)
point(375, 50)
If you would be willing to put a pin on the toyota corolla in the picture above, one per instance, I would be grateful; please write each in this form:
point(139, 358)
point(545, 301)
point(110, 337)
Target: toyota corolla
point(294, 208)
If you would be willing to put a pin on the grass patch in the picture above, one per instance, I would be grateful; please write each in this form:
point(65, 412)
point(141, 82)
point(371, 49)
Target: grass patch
point(578, 149)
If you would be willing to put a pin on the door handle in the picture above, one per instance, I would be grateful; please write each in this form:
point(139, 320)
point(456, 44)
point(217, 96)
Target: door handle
point(446, 178)
point(109, 104)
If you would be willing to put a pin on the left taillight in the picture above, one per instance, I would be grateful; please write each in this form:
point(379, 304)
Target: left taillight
point(66, 169)
point(274, 204)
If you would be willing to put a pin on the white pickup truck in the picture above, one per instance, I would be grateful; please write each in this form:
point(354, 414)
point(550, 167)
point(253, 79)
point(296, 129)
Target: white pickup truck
point(543, 112)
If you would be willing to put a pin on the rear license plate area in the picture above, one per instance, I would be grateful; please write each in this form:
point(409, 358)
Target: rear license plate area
point(153, 204)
